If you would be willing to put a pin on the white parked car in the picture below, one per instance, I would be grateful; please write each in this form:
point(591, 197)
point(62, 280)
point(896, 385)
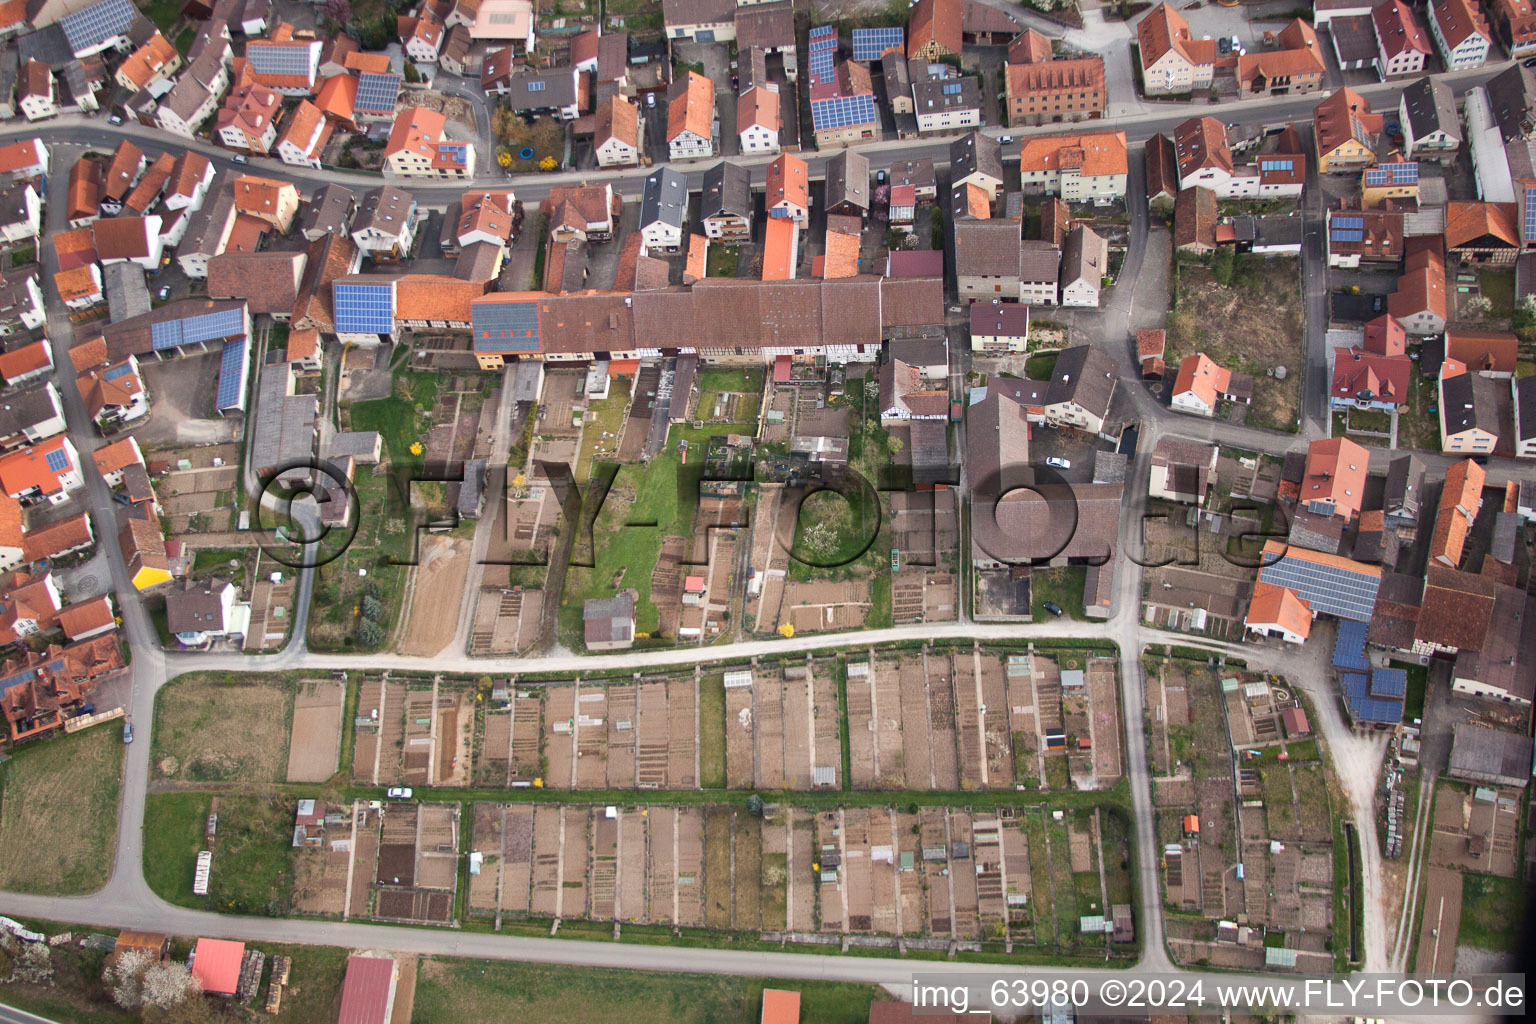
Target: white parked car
point(399, 793)
point(1058, 463)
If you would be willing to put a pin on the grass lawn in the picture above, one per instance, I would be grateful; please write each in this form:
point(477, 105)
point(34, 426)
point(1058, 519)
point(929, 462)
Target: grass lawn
point(452, 990)
point(185, 40)
point(174, 827)
point(603, 431)
point(1040, 366)
point(1063, 586)
point(214, 559)
point(58, 812)
point(712, 732)
point(1498, 287)
point(164, 13)
point(664, 493)
point(1370, 419)
point(212, 728)
point(1418, 681)
point(400, 419)
point(1486, 918)
point(721, 261)
point(746, 380)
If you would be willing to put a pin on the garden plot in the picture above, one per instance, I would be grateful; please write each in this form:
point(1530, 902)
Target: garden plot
point(509, 741)
point(824, 605)
point(1440, 926)
point(611, 736)
point(780, 727)
point(323, 863)
point(1473, 832)
point(416, 873)
point(437, 590)
point(506, 621)
point(314, 744)
point(922, 596)
point(925, 529)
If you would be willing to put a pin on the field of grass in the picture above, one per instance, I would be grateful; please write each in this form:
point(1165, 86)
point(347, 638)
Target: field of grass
point(718, 896)
point(58, 813)
point(174, 825)
point(449, 991)
point(721, 261)
point(747, 380)
point(1487, 917)
point(663, 492)
point(712, 732)
point(604, 430)
point(212, 728)
point(1063, 586)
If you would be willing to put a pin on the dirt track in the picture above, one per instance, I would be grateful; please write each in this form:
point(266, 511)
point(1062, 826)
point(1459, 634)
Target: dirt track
point(438, 587)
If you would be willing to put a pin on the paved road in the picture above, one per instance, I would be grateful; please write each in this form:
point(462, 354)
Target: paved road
point(126, 901)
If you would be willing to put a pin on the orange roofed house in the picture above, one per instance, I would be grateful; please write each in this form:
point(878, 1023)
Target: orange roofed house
point(1277, 611)
point(933, 30)
point(39, 690)
point(1042, 91)
point(1333, 482)
point(1296, 67)
point(417, 148)
point(1080, 168)
point(690, 118)
point(1172, 60)
point(1202, 385)
point(1460, 501)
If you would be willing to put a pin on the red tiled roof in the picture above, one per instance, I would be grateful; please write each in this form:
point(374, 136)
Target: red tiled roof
point(24, 360)
point(86, 616)
point(934, 21)
point(1165, 29)
point(1279, 606)
point(1335, 471)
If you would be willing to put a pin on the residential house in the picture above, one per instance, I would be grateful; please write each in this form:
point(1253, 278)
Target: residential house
point(1205, 159)
point(768, 28)
point(337, 101)
point(29, 415)
point(303, 139)
point(1427, 113)
point(1364, 236)
point(1490, 353)
point(1376, 373)
point(122, 172)
point(1333, 480)
point(20, 214)
point(418, 148)
point(1039, 272)
point(663, 209)
point(268, 281)
point(21, 304)
point(999, 327)
point(1172, 60)
point(112, 459)
point(1183, 471)
point(1202, 384)
point(1461, 33)
point(933, 29)
point(329, 211)
point(789, 189)
point(1345, 131)
point(283, 63)
point(1419, 303)
point(1516, 24)
point(944, 100)
point(1402, 43)
point(151, 63)
point(422, 35)
point(48, 470)
point(555, 91)
point(484, 218)
point(27, 158)
point(1469, 410)
point(385, 228)
point(267, 199)
point(905, 396)
point(496, 71)
point(38, 690)
point(1042, 90)
point(248, 118)
point(843, 107)
point(1084, 266)
point(704, 21)
point(208, 228)
point(620, 133)
point(36, 96)
point(1295, 66)
point(725, 206)
point(1081, 390)
point(1478, 232)
point(1391, 179)
point(1460, 500)
point(198, 611)
point(85, 192)
point(987, 259)
point(377, 95)
point(114, 395)
point(848, 184)
point(1086, 167)
point(27, 363)
point(129, 239)
point(583, 212)
point(759, 119)
point(1278, 612)
point(1525, 417)
point(691, 118)
point(976, 159)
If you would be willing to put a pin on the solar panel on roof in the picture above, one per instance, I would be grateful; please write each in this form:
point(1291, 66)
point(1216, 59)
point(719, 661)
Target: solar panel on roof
point(1530, 213)
point(1349, 236)
point(98, 23)
point(842, 111)
point(1328, 589)
point(823, 37)
point(232, 371)
point(58, 460)
point(377, 91)
point(823, 45)
point(115, 372)
point(1349, 222)
point(364, 308)
point(1389, 682)
point(223, 323)
point(870, 43)
point(1349, 649)
point(278, 58)
point(1393, 174)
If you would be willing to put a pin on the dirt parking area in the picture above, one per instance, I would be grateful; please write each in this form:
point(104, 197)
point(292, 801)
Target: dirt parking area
point(315, 740)
point(1473, 833)
point(209, 729)
point(437, 590)
point(182, 408)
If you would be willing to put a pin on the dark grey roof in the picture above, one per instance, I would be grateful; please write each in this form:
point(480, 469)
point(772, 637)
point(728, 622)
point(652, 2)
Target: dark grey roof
point(609, 619)
point(477, 261)
point(1431, 107)
point(47, 45)
point(26, 408)
point(897, 80)
point(848, 179)
point(1083, 375)
point(194, 607)
point(13, 203)
point(1273, 229)
point(127, 292)
point(753, 67)
point(8, 68)
point(384, 210)
point(328, 211)
point(697, 12)
point(1038, 261)
point(1509, 97)
point(1084, 256)
point(665, 198)
point(766, 25)
point(1354, 37)
point(727, 191)
point(542, 90)
point(1405, 481)
point(936, 95)
point(1525, 398)
point(975, 152)
point(201, 237)
point(1480, 752)
point(471, 487)
point(1470, 400)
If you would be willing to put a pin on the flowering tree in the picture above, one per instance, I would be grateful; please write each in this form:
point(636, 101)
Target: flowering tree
point(138, 979)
